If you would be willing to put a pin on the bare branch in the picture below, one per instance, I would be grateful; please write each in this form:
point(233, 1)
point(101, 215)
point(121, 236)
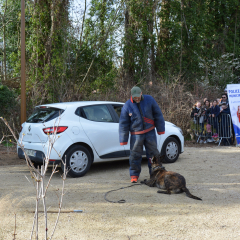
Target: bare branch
point(61, 199)
point(100, 44)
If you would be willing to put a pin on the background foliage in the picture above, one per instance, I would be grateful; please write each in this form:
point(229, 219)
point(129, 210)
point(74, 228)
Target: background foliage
point(101, 48)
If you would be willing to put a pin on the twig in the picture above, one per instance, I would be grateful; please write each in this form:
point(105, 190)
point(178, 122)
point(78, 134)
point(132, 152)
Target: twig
point(15, 227)
point(29, 162)
point(50, 178)
point(43, 199)
point(38, 193)
point(39, 177)
point(61, 200)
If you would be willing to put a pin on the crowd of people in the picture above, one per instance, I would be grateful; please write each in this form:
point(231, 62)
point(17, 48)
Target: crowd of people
point(212, 122)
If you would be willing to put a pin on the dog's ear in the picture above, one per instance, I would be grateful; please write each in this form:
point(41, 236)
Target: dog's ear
point(161, 158)
point(154, 159)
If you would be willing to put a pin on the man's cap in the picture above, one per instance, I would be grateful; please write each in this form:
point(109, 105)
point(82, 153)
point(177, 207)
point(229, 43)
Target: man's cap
point(136, 92)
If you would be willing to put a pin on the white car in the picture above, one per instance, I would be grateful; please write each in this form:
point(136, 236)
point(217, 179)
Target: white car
point(88, 132)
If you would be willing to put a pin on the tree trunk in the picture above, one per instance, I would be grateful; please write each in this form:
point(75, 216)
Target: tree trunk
point(152, 42)
point(163, 34)
point(4, 45)
point(4, 54)
point(80, 44)
point(128, 49)
point(102, 29)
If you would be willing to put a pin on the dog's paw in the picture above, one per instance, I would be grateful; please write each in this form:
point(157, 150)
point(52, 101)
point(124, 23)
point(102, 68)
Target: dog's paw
point(144, 181)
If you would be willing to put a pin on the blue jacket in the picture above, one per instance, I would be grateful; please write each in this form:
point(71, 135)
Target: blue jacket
point(131, 120)
point(226, 111)
point(225, 121)
point(215, 110)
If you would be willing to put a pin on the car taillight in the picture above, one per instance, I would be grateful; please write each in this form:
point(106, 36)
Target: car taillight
point(52, 130)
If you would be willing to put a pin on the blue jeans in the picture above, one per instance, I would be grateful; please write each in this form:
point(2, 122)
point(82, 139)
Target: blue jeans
point(149, 140)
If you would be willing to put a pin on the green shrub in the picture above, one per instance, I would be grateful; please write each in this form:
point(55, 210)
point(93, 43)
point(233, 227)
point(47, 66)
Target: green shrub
point(7, 100)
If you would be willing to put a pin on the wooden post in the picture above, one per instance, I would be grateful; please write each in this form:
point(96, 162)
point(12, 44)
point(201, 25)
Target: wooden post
point(23, 73)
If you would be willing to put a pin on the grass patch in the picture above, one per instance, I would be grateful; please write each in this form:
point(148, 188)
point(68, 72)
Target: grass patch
point(7, 144)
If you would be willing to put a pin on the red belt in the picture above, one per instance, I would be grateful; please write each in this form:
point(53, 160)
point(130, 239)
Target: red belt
point(144, 131)
point(148, 120)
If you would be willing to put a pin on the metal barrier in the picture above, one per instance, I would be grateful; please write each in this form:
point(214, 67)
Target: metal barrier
point(224, 127)
point(218, 127)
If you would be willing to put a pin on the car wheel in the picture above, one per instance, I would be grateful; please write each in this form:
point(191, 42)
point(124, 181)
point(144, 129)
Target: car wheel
point(78, 161)
point(170, 150)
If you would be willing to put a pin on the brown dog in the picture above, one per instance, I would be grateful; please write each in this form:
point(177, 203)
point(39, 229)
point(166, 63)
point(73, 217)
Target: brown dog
point(166, 180)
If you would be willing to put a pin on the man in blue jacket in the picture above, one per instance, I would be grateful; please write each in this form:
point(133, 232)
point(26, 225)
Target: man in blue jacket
point(140, 116)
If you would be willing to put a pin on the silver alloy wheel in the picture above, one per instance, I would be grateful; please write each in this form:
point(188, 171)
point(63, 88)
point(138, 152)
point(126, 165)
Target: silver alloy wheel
point(78, 161)
point(171, 150)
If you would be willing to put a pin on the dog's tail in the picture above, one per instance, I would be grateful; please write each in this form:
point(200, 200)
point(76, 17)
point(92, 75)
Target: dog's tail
point(189, 194)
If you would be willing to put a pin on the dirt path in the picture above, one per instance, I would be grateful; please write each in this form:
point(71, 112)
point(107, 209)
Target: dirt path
point(212, 173)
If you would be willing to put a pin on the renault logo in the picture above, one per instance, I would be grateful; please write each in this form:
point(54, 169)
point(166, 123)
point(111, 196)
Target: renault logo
point(29, 128)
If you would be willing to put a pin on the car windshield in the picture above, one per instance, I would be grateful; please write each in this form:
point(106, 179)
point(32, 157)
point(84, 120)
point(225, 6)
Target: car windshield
point(44, 114)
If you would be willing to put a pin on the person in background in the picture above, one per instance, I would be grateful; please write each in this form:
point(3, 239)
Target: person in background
point(207, 105)
point(225, 125)
point(192, 129)
point(198, 118)
point(224, 99)
point(207, 120)
point(214, 112)
point(195, 110)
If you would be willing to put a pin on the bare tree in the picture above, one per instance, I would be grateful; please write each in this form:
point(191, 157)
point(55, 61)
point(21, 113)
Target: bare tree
point(41, 183)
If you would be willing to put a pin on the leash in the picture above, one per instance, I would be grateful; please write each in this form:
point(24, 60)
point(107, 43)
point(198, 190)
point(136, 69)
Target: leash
point(122, 200)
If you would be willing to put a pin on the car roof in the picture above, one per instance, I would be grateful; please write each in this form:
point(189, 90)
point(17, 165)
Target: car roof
point(77, 104)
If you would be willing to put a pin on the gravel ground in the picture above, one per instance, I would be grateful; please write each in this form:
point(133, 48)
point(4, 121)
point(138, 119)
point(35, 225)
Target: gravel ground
point(212, 173)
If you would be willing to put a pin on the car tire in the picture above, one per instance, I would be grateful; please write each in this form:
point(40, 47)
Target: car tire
point(78, 161)
point(171, 150)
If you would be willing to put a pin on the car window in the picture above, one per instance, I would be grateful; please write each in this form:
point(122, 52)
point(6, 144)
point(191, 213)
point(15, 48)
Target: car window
point(118, 110)
point(44, 114)
point(98, 113)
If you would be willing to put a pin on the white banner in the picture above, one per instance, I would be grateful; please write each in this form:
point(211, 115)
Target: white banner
point(233, 91)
